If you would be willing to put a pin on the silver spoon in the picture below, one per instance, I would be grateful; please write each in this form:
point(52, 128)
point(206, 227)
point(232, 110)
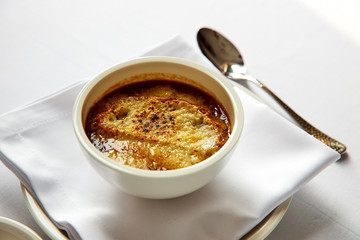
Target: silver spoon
point(224, 55)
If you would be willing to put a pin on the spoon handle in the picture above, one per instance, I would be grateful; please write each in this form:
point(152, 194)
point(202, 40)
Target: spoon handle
point(331, 142)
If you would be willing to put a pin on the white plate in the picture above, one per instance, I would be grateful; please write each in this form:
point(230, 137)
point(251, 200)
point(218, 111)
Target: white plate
point(259, 232)
point(13, 230)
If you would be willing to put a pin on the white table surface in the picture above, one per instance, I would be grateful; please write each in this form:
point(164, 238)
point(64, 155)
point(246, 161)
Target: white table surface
point(308, 52)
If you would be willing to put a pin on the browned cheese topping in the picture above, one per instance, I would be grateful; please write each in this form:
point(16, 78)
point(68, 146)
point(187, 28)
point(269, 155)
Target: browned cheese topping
point(158, 125)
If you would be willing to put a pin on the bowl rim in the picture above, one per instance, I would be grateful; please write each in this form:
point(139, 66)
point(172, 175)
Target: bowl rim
point(11, 226)
point(108, 162)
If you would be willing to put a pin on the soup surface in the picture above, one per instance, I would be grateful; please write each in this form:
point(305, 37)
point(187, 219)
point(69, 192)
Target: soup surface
point(158, 125)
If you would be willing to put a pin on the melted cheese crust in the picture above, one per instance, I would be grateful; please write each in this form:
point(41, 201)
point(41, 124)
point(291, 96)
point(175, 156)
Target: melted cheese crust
point(158, 129)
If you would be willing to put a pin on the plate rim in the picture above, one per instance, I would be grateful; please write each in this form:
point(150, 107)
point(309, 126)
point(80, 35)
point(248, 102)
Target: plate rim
point(269, 223)
point(40, 217)
point(259, 232)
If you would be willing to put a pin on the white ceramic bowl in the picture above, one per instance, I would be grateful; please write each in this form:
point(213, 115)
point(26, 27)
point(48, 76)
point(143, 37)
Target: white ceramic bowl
point(158, 184)
point(13, 230)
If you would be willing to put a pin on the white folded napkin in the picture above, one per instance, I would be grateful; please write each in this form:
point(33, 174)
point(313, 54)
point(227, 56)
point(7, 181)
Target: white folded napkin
point(272, 160)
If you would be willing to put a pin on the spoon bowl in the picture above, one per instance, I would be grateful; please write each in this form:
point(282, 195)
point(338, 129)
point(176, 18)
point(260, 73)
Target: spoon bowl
point(222, 53)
